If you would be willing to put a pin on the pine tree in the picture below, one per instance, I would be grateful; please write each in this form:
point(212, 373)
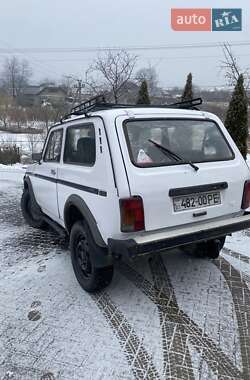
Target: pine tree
point(143, 96)
point(188, 90)
point(236, 119)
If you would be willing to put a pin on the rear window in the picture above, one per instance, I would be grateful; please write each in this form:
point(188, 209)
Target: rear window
point(192, 140)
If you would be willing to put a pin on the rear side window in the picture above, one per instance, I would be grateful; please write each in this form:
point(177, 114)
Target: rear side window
point(80, 146)
point(54, 146)
point(193, 140)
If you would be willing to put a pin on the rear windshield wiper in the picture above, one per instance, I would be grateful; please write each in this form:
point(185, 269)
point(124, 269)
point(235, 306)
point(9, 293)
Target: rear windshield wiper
point(173, 155)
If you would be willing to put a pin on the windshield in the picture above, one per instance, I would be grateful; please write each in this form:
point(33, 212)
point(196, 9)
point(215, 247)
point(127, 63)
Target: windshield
point(193, 140)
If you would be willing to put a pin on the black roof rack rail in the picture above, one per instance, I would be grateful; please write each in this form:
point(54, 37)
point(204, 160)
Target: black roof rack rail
point(185, 104)
point(85, 107)
point(99, 103)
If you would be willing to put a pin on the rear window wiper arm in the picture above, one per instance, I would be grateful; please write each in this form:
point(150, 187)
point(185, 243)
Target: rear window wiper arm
point(173, 155)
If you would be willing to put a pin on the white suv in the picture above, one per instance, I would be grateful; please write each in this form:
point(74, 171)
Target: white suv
point(125, 181)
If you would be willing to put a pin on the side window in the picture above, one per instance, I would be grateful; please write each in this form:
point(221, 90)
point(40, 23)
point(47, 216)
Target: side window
point(80, 146)
point(53, 149)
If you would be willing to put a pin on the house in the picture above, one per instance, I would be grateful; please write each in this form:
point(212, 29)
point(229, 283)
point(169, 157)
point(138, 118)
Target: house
point(51, 94)
point(37, 95)
point(28, 96)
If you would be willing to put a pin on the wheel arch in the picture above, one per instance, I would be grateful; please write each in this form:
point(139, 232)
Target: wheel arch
point(31, 211)
point(27, 184)
point(76, 209)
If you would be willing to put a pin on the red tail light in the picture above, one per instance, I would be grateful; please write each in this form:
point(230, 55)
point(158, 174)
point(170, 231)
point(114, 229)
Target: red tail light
point(246, 196)
point(132, 214)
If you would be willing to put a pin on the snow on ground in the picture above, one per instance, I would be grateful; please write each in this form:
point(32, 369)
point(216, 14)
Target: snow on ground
point(175, 317)
point(14, 173)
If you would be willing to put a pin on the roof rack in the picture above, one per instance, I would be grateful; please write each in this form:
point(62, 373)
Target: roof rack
point(99, 103)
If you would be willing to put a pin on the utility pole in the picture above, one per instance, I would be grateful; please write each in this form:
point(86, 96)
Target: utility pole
point(79, 85)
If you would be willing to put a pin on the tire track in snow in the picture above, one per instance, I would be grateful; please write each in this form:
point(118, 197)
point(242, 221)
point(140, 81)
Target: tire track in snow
point(236, 255)
point(241, 298)
point(214, 356)
point(139, 360)
point(177, 361)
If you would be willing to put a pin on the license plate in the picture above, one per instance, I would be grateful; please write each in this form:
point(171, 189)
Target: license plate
point(194, 201)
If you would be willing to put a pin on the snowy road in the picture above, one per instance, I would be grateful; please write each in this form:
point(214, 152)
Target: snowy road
point(174, 317)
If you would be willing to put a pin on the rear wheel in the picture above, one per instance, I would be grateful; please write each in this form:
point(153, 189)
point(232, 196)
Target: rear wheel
point(210, 248)
point(33, 218)
point(215, 246)
point(83, 248)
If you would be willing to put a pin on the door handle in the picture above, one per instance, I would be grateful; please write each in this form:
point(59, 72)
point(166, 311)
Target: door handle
point(53, 171)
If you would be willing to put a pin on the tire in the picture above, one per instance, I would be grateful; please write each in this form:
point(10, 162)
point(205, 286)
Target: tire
point(83, 248)
point(210, 248)
point(32, 218)
point(214, 247)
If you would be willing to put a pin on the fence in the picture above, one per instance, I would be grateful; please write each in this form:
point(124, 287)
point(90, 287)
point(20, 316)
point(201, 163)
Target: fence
point(25, 145)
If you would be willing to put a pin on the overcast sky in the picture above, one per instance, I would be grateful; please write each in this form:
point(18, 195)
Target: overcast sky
point(88, 23)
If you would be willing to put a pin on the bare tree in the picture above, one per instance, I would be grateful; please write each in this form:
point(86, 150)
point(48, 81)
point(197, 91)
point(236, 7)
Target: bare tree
point(35, 142)
point(115, 70)
point(232, 68)
point(68, 84)
point(149, 75)
point(15, 76)
point(93, 85)
point(5, 106)
point(17, 116)
point(47, 114)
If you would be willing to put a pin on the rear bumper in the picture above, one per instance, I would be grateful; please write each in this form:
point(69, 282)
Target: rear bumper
point(165, 239)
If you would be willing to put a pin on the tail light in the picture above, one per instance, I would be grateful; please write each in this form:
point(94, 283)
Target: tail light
point(246, 196)
point(132, 214)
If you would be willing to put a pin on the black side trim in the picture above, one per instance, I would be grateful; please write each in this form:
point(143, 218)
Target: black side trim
point(88, 189)
point(51, 179)
point(198, 189)
point(55, 226)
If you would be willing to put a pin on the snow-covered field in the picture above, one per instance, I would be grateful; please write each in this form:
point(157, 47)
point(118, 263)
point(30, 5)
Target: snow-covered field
point(172, 317)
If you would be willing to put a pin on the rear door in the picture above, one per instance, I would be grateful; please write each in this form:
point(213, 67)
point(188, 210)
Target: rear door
point(87, 173)
point(174, 193)
point(45, 179)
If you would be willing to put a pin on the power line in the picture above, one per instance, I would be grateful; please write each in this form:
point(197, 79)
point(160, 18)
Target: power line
point(115, 48)
point(142, 58)
point(35, 60)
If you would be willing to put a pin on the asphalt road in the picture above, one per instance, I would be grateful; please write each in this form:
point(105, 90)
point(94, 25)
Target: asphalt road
point(171, 316)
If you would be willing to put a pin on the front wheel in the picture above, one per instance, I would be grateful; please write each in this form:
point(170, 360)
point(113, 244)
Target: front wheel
point(83, 248)
point(31, 217)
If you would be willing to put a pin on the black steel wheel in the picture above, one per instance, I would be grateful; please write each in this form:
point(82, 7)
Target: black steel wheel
point(83, 250)
point(82, 255)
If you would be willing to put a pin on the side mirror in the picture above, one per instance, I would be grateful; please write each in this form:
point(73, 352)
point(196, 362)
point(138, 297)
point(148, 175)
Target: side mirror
point(36, 157)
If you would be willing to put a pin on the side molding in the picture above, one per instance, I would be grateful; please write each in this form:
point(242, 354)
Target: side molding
point(75, 200)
